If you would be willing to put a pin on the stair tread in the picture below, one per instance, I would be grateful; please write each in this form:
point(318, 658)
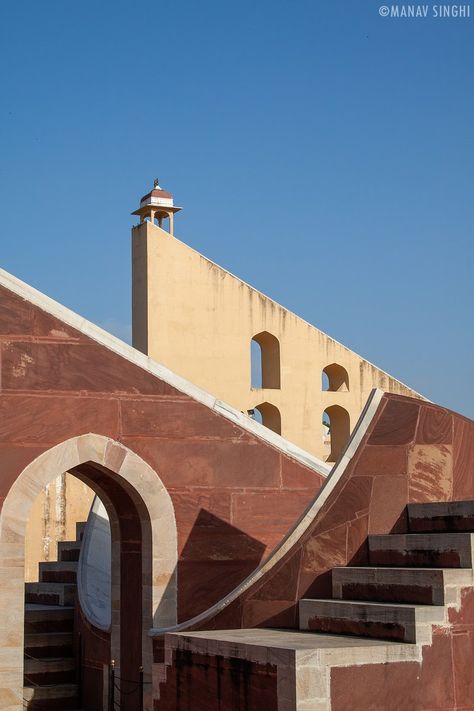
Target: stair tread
point(411, 569)
point(38, 607)
point(48, 637)
point(50, 691)
point(70, 544)
point(441, 506)
point(49, 667)
point(71, 686)
point(368, 603)
point(426, 536)
point(48, 584)
point(59, 564)
point(287, 639)
point(50, 660)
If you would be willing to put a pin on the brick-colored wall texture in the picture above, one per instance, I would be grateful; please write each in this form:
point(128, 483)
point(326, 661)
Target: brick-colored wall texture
point(234, 495)
point(412, 452)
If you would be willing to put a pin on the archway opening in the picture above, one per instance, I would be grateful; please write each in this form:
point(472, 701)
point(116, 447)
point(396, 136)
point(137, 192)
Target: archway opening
point(265, 361)
point(62, 503)
point(143, 572)
point(268, 415)
point(119, 614)
point(335, 378)
point(335, 431)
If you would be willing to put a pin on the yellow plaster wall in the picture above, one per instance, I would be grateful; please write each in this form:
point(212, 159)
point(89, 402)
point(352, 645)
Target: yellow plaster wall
point(54, 514)
point(198, 320)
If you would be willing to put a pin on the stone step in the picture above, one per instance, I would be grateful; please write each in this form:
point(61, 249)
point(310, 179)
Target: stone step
point(48, 618)
point(69, 550)
point(441, 516)
point(58, 571)
point(50, 670)
point(401, 623)
point(39, 645)
point(63, 594)
point(54, 696)
point(431, 550)
point(423, 586)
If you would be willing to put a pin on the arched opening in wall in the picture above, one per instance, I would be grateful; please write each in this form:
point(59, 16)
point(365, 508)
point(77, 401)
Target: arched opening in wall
point(255, 365)
point(127, 580)
point(268, 415)
point(335, 431)
point(335, 378)
point(62, 504)
point(265, 361)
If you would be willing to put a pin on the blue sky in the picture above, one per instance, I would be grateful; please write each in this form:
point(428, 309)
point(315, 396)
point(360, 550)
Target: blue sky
point(321, 152)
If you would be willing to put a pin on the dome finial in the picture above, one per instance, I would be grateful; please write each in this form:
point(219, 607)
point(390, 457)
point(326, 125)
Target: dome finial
point(156, 184)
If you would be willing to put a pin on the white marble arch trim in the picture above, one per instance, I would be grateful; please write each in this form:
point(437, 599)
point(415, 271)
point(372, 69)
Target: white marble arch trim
point(291, 539)
point(160, 552)
point(43, 302)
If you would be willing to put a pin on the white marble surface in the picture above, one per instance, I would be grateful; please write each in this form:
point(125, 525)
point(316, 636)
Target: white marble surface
point(94, 579)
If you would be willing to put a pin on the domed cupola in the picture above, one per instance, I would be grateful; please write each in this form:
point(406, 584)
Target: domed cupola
point(158, 205)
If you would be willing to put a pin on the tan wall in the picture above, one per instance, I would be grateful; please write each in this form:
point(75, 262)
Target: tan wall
point(198, 319)
point(61, 504)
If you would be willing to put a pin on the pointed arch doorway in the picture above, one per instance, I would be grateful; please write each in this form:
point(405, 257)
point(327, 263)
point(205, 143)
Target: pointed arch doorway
point(144, 556)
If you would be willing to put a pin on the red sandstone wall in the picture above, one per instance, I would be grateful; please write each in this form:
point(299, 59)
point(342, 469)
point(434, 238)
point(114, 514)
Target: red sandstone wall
point(92, 652)
point(442, 682)
point(211, 682)
point(234, 495)
point(413, 451)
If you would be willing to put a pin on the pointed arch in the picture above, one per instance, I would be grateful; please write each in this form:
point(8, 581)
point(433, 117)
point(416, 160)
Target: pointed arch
point(120, 478)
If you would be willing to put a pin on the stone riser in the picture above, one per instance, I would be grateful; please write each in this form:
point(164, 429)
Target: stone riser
point(52, 704)
point(401, 623)
point(68, 551)
point(358, 628)
point(421, 550)
point(441, 517)
point(47, 626)
point(422, 586)
point(58, 576)
point(54, 650)
point(53, 594)
point(390, 593)
point(49, 678)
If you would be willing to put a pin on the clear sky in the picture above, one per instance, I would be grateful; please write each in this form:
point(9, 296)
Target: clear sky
point(322, 152)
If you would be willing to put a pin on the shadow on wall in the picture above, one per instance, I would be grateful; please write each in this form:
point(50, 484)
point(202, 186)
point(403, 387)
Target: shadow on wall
point(216, 557)
point(336, 430)
point(265, 361)
point(335, 378)
point(268, 415)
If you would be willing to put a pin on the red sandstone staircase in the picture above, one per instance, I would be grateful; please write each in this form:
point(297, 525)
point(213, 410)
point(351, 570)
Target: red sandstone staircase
point(50, 665)
point(411, 579)
point(381, 613)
